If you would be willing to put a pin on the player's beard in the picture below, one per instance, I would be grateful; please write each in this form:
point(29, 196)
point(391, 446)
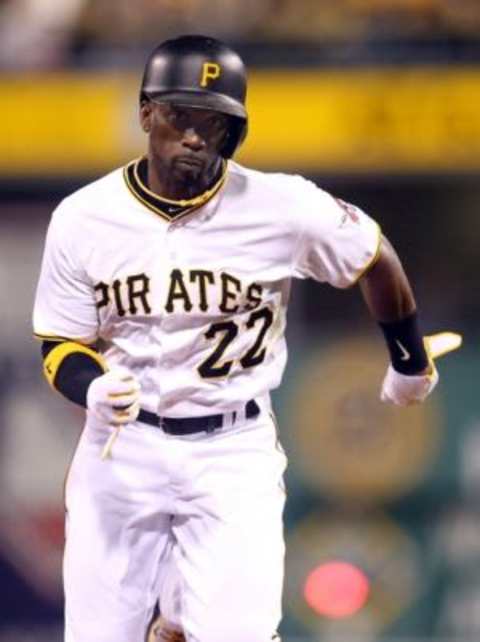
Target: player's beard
point(188, 173)
point(195, 178)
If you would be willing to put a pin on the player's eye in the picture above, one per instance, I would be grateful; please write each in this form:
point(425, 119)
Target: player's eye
point(178, 118)
point(182, 119)
point(217, 121)
point(216, 124)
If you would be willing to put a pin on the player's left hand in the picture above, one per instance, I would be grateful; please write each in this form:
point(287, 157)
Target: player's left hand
point(405, 390)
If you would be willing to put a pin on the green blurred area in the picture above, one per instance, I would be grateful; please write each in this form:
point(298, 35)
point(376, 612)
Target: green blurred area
point(392, 492)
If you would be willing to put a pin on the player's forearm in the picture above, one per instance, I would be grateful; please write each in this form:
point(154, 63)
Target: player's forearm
point(389, 297)
point(70, 368)
point(386, 289)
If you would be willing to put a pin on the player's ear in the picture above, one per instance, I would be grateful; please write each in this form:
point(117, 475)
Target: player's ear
point(146, 115)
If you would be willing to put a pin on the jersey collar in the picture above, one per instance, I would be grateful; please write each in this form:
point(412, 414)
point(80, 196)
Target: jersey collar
point(134, 174)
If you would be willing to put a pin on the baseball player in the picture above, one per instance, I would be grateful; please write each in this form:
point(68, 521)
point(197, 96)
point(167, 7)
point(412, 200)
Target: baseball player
point(161, 306)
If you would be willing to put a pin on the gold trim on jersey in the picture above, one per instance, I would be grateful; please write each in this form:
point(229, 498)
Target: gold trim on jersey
point(372, 261)
point(154, 201)
point(55, 358)
point(49, 337)
point(56, 338)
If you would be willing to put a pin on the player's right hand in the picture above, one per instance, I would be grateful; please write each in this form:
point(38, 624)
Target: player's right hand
point(114, 397)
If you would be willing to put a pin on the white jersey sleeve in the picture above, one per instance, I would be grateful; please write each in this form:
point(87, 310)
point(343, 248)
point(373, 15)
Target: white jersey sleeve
point(65, 304)
point(338, 241)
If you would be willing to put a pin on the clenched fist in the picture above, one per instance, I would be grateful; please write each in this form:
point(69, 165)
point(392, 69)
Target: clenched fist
point(405, 390)
point(114, 397)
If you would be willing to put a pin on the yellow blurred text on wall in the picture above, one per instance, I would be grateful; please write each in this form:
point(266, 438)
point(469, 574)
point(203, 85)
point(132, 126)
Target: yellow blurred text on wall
point(422, 119)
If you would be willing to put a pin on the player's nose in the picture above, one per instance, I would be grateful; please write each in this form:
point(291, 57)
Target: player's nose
point(192, 139)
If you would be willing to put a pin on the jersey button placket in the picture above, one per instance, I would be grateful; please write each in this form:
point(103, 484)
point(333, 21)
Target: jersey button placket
point(171, 241)
point(166, 323)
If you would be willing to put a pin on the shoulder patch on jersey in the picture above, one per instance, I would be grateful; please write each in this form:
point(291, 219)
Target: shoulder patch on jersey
point(350, 211)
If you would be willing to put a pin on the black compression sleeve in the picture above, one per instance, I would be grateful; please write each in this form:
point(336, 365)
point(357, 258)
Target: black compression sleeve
point(74, 374)
point(47, 346)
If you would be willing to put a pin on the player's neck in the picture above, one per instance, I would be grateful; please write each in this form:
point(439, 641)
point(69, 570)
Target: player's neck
point(180, 187)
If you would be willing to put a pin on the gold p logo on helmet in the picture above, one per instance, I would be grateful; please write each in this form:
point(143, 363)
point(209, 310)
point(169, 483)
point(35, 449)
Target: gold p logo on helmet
point(210, 71)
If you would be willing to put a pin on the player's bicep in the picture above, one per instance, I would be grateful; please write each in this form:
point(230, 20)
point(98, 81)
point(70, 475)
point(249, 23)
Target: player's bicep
point(65, 304)
point(339, 243)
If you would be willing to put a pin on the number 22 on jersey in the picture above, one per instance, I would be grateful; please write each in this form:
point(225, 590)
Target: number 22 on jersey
point(228, 330)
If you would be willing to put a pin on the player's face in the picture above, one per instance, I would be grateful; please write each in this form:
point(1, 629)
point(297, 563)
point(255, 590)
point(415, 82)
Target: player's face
point(184, 141)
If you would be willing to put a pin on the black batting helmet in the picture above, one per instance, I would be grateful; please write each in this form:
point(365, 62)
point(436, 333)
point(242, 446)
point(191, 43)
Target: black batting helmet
point(200, 72)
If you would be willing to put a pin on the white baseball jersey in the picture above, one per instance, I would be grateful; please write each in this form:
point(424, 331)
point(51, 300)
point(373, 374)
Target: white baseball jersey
point(195, 305)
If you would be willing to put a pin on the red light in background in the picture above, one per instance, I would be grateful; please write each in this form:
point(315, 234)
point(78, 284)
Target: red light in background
point(336, 589)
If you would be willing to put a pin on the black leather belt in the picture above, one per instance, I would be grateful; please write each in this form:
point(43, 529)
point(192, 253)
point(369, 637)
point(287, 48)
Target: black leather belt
point(191, 425)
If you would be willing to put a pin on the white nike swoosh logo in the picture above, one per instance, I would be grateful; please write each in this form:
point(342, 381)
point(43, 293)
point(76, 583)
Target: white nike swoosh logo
point(405, 354)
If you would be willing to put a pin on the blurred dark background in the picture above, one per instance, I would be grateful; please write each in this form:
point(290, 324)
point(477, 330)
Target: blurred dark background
point(377, 102)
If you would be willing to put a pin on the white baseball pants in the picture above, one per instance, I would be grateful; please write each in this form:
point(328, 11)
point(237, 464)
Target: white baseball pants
point(196, 520)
